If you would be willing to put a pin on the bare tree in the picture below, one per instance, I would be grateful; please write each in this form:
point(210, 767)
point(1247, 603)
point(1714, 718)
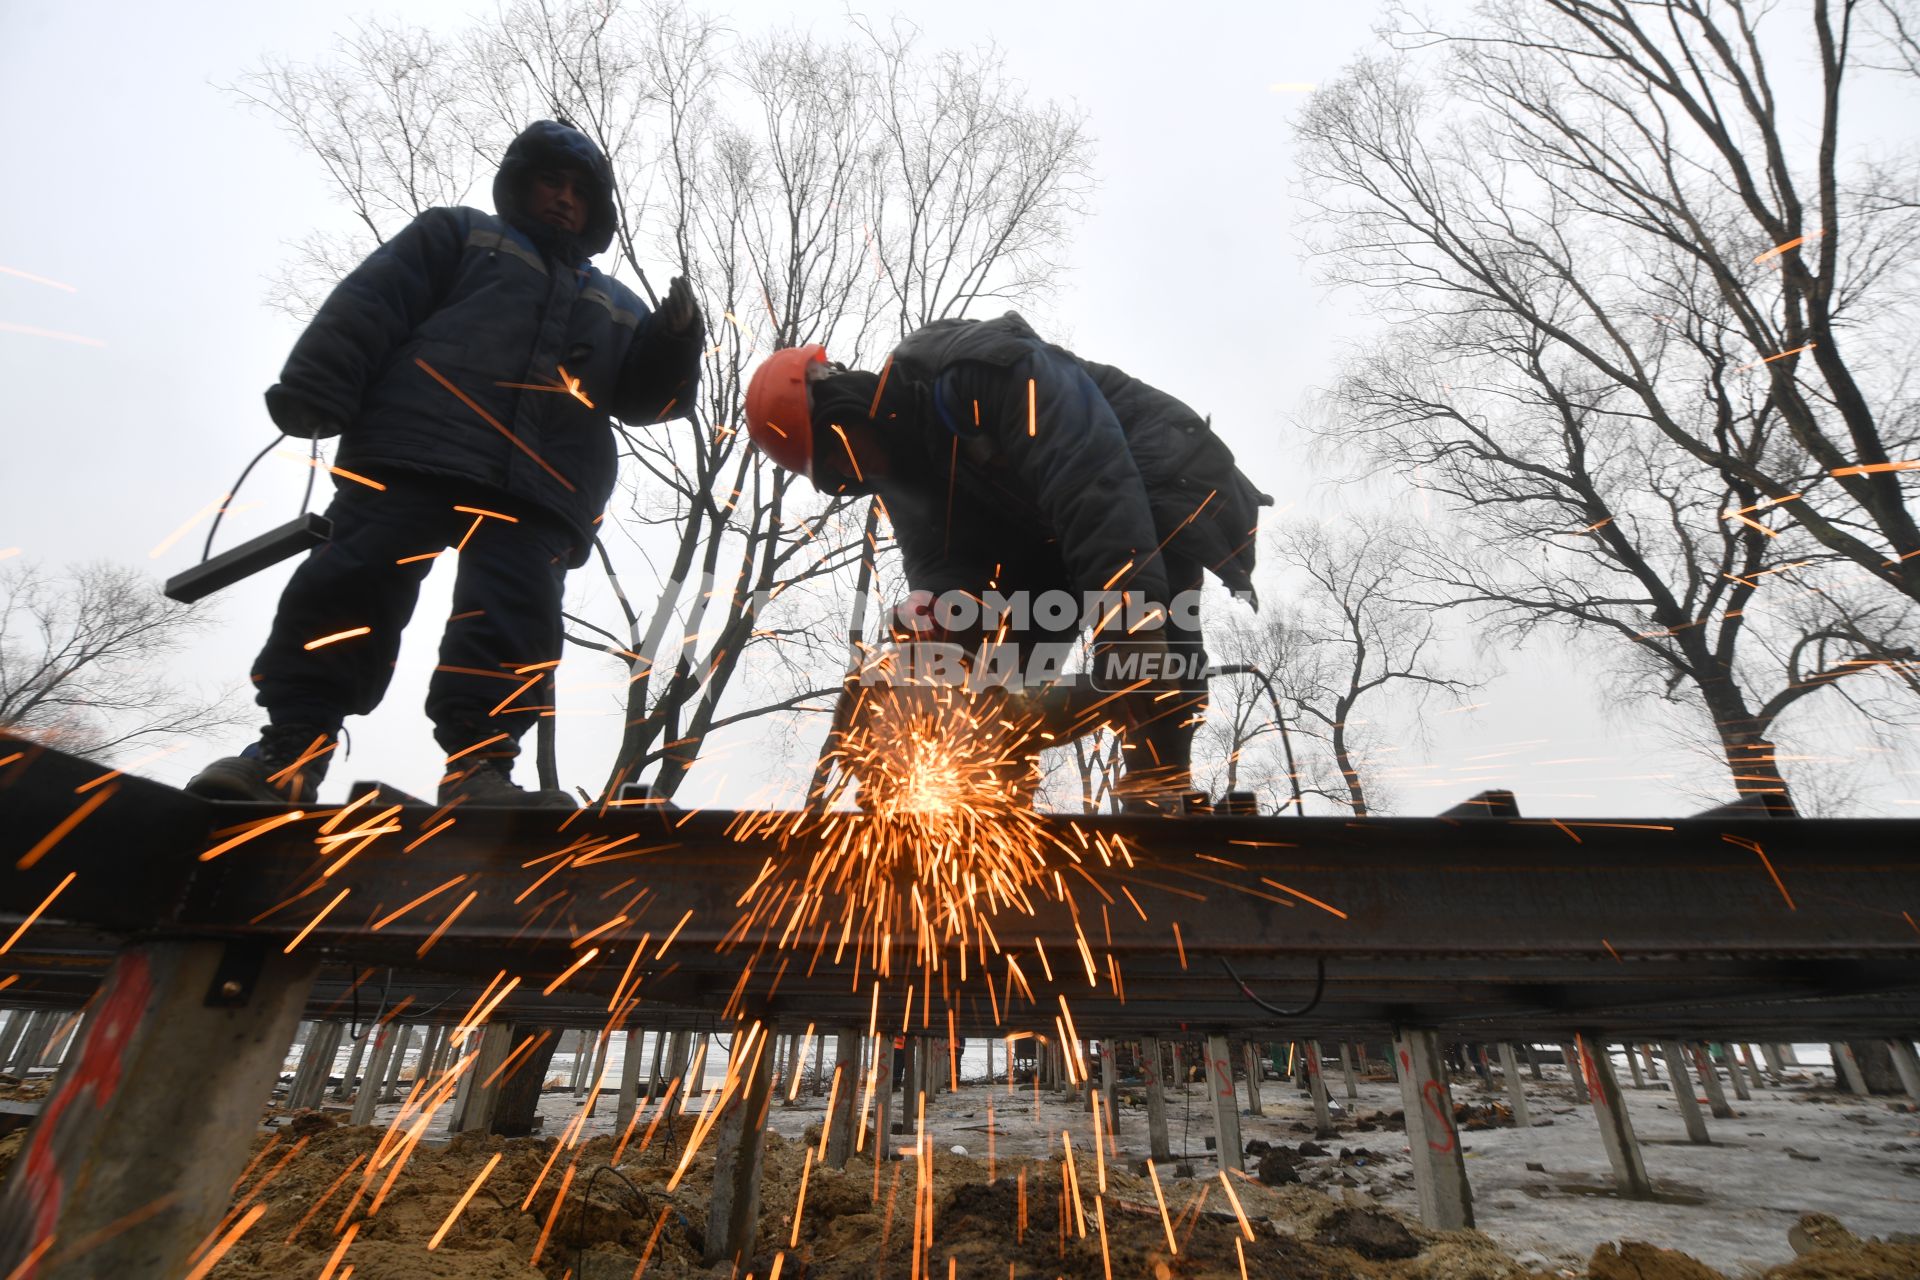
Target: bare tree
point(813, 191)
point(1359, 636)
point(1575, 373)
point(83, 657)
point(1246, 742)
point(1590, 167)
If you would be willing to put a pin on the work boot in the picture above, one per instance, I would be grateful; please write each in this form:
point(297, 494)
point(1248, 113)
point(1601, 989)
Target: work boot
point(488, 783)
point(266, 771)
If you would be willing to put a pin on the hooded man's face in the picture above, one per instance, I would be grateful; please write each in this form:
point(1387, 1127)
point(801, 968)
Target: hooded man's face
point(559, 198)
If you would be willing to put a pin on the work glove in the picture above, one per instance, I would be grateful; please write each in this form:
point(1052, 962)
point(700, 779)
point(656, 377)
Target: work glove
point(678, 310)
point(299, 418)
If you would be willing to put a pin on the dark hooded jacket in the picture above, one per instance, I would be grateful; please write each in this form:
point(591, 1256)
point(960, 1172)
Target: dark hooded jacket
point(487, 350)
point(1052, 447)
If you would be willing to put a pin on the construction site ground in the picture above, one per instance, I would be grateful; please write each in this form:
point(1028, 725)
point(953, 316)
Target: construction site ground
point(1542, 1197)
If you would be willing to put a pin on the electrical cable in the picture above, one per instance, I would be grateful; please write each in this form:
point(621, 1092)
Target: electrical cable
point(1319, 989)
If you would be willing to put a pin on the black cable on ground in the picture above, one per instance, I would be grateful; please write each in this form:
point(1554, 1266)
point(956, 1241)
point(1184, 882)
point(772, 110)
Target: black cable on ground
point(1319, 989)
point(579, 1221)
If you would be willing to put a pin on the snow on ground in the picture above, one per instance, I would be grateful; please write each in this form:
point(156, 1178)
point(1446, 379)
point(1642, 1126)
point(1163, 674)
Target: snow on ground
point(1798, 1147)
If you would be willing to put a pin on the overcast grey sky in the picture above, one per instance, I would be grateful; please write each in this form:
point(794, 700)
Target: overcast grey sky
point(130, 399)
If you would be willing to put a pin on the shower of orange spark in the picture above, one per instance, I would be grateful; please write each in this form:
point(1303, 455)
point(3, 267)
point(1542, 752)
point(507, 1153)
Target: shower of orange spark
point(337, 636)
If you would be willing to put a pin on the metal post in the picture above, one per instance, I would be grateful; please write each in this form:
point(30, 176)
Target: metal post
point(1317, 1082)
point(1439, 1167)
point(138, 1146)
point(1682, 1085)
point(846, 1093)
point(1346, 1069)
point(1156, 1100)
point(1716, 1096)
point(739, 1147)
point(1616, 1127)
point(1516, 1093)
point(1226, 1109)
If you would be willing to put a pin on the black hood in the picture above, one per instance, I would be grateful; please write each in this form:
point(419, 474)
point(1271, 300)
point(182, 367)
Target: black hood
point(548, 144)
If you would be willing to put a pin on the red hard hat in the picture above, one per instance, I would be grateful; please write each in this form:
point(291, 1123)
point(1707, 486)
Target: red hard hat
point(779, 417)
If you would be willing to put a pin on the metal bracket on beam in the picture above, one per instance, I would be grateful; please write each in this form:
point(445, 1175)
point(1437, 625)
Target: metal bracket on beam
point(236, 975)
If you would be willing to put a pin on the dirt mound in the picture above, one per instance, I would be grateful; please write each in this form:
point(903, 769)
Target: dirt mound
point(1636, 1260)
point(1828, 1251)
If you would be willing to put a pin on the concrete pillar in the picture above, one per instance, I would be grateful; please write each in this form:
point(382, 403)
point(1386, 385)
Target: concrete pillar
point(881, 1140)
point(654, 1082)
point(602, 1043)
point(1533, 1064)
point(1646, 1056)
point(1633, 1065)
point(1753, 1068)
point(1733, 1074)
point(354, 1060)
point(316, 1066)
point(631, 1048)
point(162, 1100)
point(1572, 1060)
point(1771, 1054)
point(33, 1043)
point(376, 1078)
point(475, 1100)
point(1846, 1071)
point(1716, 1096)
point(16, 1023)
point(1682, 1085)
point(577, 1077)
point(1346, 1069)
point(820, 1064)
point(1250, 1055)
point(1156, 1101)
point(1226, 1109)
point(1516, 1093)
point(847, 1092)
point(1908, 1067)
point(739, 1148)
point(1439, 1166)
point(1788, 1056)
point(1616, 1127)
point(679, 1067)
point(1317, 1083)
point(307, 1035)
point(1109, 1083)
point(396, 1061)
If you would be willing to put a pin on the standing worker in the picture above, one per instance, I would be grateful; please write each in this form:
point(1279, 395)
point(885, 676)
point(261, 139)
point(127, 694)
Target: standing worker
point(1013, 470)
point(469, 367)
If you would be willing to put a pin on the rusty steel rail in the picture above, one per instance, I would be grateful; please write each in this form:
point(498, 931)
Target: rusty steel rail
point(1742, 927)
